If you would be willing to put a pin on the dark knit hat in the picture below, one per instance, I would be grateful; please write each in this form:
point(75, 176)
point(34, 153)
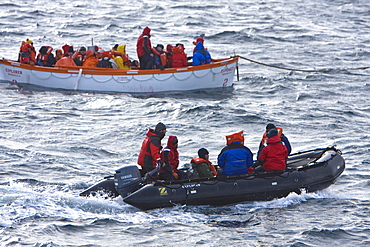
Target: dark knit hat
point(160, 126)
point(83, 48)
point(272, 133)
point(202, 153)
point(270, 126)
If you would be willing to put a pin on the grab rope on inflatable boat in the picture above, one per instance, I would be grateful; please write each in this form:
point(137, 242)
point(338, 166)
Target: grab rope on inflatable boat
point(251, 176)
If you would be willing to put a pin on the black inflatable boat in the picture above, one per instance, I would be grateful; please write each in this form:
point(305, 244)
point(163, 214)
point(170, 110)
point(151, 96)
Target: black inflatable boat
point(310, 171)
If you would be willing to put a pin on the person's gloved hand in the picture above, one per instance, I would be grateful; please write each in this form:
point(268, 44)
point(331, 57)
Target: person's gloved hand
point(257, 163)
point(160, 163)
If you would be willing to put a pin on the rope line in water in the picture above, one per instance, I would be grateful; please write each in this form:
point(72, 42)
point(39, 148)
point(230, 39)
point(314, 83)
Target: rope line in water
point(278, 67)
point(300, 70)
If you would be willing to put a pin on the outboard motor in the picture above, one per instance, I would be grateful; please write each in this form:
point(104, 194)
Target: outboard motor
point(127, 180)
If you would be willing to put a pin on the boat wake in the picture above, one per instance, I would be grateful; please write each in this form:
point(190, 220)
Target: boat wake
point(23, 202)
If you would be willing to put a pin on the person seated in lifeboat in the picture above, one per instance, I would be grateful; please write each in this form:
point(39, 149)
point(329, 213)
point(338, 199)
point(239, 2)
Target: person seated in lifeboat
point(170, 158)
point(66, 61)
point(160, 59)
point(274, 155)
point(105, 59)
point(179, 57)
point(283, 137)
point(27, 53)
point(235, 158)
point(66, 49)
point(71, 53)
point(45, 57)
point(120, 57)
point(91, 61)
point(169, 54)
point(58, 54)
point(201, 166)
point(199, 39)
point(201, 55)
point(79, 56)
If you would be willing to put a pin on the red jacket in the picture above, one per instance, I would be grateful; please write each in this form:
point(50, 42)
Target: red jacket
point(179, 58)
point(170, 155)
point(143, 45)
point(150, 150)
point(274, 155)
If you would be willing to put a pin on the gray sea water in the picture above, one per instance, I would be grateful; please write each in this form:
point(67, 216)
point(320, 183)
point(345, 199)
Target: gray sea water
point(54, 144)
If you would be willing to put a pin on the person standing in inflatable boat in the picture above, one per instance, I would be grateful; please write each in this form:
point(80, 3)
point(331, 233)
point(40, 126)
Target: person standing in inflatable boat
point(235, 158)
point(150, 152)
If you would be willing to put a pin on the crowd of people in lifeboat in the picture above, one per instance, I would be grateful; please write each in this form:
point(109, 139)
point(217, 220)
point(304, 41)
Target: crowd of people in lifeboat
point(234, 158)
point(150, 57)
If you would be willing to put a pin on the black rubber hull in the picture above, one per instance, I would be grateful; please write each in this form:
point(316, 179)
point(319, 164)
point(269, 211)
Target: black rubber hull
point(105, 187)
point(250, 187)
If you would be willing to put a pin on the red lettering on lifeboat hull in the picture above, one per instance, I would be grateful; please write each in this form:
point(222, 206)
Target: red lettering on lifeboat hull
point(227, 71)
point(13, 72)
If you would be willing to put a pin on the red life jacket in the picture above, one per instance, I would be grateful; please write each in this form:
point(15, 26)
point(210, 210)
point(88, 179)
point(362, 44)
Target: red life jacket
point(179, 58)
point(149, 152)
point(145, 36)
point(170, 154)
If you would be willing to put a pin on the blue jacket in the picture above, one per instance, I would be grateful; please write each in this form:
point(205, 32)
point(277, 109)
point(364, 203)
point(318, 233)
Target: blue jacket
point(201, 56)
point(235, 159)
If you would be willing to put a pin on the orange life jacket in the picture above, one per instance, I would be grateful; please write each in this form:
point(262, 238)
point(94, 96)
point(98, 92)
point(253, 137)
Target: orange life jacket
point(162, 56)
point(27, 53)
point(264, 137)
point(91, 62)
point(43, 58)
point(236, 137)
point(201, 160)
point(65, 62)
point(57, 57)
point(81, 57)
